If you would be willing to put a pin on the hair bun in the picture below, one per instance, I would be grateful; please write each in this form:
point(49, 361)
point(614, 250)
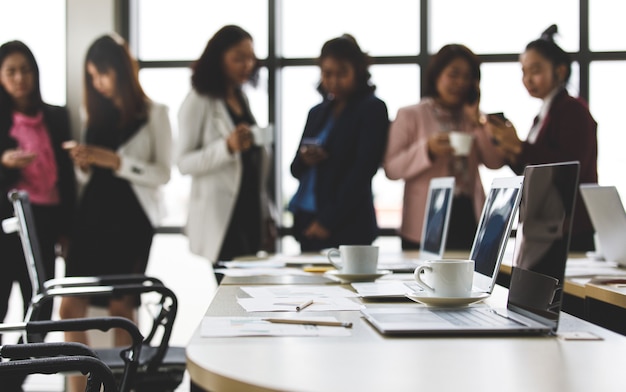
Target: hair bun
point(349, 37)
point(548, 34)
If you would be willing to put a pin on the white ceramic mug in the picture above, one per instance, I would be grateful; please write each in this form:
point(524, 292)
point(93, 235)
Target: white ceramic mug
point(446, 278)
point(355, 259)
point(262, 135)
point(461, 142)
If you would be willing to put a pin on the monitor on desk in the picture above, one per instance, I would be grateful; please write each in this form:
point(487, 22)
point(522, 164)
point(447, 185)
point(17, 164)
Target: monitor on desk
point(608, 217)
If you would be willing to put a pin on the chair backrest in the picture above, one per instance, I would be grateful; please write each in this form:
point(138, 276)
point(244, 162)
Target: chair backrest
point(43, 291)
point(24, 222)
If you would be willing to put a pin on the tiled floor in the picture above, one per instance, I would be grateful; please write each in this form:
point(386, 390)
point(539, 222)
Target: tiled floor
point(190, 277)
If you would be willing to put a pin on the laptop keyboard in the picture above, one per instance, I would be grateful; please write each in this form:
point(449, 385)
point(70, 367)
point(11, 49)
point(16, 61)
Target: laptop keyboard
point(487, 318)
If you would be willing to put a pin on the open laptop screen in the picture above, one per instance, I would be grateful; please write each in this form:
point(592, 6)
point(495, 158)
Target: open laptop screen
point(494, 228)
point(542, 240)
point(436, 219)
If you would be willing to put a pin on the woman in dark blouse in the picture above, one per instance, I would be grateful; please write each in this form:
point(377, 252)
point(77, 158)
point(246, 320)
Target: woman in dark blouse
point(123, 162)
point(341, 149)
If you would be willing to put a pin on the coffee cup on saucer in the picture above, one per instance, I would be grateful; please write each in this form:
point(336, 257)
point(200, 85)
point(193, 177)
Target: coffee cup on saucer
point(355, 259)
point(446, 278)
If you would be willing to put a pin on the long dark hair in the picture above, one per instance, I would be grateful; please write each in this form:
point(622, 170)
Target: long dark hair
point(208, 77)
point(440, 61)
point(345, 48)
point(547, 48)
point(35, 100)
point(111, 53)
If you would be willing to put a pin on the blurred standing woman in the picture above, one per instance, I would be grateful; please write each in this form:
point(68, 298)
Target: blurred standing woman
point(229, 212)
point(32, 159)
point(564, 130)
point(419, 147)
point(341, 149)
point(124, 160)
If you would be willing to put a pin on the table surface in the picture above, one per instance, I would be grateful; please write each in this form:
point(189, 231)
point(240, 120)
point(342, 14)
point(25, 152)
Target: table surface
point(369, 361)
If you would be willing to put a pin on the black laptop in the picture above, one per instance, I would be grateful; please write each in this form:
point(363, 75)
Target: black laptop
point(537, 277)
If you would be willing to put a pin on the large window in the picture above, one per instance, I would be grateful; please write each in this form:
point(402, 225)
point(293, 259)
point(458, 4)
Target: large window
point(20, 22)
point(399, 35)
point(496, 26)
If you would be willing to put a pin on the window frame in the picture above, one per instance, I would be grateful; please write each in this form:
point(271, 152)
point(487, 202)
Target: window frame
point(275, 63)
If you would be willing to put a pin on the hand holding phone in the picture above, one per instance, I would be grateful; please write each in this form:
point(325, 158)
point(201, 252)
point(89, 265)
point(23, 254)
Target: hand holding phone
point(309, 142)
point(311, 151)
point(499, 115)
point(69, 144)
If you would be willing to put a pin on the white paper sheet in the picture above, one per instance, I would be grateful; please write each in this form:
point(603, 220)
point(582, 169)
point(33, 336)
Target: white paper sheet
point(260, 271)
point(589, 267)
point(256, 326)
point(280, 304)
point(298, 291)
point(385, 289)
point(269, 263)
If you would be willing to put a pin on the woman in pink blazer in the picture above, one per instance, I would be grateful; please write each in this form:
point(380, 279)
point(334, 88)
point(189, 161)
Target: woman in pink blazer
point(419, 147)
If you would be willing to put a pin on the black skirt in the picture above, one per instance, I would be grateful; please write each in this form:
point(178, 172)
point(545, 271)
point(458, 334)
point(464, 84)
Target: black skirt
point(112, 234)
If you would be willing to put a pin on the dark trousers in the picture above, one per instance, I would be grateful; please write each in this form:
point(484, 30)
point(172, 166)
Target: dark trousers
point(14, 269)
point(13, 264)
point(301, 221)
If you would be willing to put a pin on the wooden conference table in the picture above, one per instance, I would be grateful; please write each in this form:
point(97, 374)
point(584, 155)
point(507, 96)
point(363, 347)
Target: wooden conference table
point(369, 361)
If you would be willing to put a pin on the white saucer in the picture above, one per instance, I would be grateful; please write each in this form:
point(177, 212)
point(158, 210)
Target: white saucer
point(357, 277)
point(427, 299)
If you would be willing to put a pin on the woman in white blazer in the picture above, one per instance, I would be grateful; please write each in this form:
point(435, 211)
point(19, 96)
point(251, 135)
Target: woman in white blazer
point(123, 162)
point(228, 205)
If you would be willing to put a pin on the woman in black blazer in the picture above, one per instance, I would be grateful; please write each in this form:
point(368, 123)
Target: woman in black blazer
point(31, 159)
point(341, 149)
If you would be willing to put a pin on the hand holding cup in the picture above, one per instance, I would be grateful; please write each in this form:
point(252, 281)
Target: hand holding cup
point(461, 142)
point(240, 139)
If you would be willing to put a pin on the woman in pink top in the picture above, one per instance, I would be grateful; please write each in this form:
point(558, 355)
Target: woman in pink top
point(419, 147)
point(31, 159)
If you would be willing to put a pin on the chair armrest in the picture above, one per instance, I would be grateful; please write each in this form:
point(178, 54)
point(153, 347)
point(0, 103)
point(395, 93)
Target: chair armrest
point(130, 355)
point(47, 349)
point(99, 372)
point(83, 324)
point(101, 280)
point(165, 318)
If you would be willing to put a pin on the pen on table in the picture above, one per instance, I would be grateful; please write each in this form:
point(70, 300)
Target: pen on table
point(304, 305)
point(309, 322)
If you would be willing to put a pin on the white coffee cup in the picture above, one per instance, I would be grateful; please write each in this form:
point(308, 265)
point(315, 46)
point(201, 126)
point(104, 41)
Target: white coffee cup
point(446, 278)
point(355, 259)
point(461, 142)
point(262, 135)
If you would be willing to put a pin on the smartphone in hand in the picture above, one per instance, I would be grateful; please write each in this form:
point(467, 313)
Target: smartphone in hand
point(310, 142)
point(69, 144)
point(498, 115)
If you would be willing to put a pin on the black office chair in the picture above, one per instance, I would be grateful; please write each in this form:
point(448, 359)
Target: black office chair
point(160, 367)
point(99, 375)
point(57, 357)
